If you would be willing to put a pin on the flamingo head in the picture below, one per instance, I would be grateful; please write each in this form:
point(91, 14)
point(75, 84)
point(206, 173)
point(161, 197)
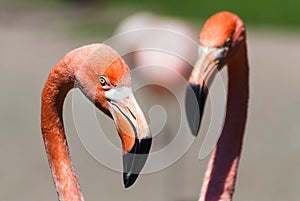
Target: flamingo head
point(105, 79)
point(220, 39)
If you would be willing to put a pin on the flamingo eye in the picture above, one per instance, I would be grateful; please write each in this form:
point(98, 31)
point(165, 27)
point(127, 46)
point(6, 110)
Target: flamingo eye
point(103, 80)
point(227, 42)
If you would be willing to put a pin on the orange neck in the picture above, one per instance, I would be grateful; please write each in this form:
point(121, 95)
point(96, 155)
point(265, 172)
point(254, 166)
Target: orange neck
point(59, 82)
point(221, 172)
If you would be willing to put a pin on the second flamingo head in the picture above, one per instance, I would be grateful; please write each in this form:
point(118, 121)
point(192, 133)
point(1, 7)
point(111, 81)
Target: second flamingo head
point(220, 40)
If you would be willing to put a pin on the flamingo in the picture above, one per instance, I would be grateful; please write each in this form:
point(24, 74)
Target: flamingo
point(100, 73)
point(223, 39)
point(165, 39)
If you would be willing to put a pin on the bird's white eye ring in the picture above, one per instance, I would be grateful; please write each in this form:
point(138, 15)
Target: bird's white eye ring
point(103, 80)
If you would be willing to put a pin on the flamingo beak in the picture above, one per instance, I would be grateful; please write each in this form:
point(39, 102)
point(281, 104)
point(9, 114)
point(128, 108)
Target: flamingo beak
point(195, 99)
point(197, 90)
point(133, 131)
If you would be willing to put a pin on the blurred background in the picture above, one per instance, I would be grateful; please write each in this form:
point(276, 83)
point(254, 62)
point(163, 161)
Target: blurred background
point(36, 34)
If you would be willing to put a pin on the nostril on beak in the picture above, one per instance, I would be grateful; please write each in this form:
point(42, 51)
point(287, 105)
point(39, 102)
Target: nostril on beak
point(131, 113)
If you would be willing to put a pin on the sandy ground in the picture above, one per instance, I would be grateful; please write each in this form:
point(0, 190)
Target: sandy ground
point(269, 169)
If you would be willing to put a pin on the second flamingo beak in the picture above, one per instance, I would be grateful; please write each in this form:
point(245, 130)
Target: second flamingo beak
point(133, 130)
point(196, 93)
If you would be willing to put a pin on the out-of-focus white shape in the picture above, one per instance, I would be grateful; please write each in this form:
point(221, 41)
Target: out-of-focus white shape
point(164, 43)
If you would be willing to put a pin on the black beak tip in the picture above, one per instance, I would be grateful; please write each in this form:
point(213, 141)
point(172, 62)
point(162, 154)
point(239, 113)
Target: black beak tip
point(129, 179)
point(134, 161)
point(195, 129)
point(194, 104)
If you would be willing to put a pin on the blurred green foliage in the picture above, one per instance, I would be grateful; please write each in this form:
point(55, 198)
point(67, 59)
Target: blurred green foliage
point(259, 12)
point(256, 12)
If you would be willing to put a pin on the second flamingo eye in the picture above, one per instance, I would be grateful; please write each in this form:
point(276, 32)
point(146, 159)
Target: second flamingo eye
point(227, 42)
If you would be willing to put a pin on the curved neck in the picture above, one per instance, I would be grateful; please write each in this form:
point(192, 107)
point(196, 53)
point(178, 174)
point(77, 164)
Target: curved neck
point(59, 83)
point(220, 176)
